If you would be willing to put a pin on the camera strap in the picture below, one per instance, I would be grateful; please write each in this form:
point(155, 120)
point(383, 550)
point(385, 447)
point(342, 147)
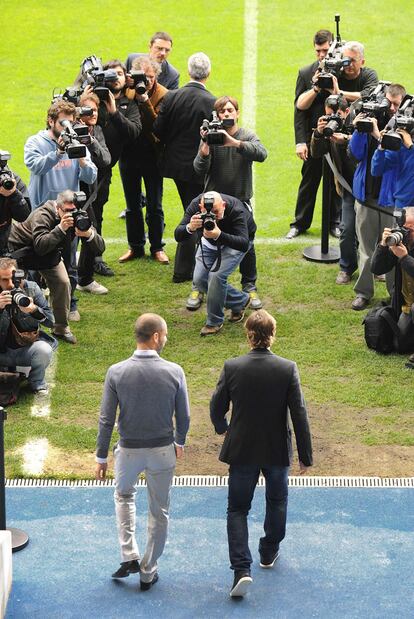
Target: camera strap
point(94, 193)
point(217, 261)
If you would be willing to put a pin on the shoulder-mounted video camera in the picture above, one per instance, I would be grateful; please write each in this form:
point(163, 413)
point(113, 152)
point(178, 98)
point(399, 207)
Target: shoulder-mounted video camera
point(72, 145)
point(333, 64)
point(374, 105)
point(403, 119)
point(97, 77)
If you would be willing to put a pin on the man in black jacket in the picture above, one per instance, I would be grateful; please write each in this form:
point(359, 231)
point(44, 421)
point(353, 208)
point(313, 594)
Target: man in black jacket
point(160, 47)
point(178, 128)
point(225, 230)
point(14, 201)
point(401, 257)
point(261, 387)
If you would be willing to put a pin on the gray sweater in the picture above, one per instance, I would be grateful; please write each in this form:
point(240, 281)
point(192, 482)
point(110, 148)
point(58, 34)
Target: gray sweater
point(229, 170)
point(149, 391)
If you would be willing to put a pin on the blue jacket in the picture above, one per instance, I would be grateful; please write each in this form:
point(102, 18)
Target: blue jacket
point(52, 173)
point(358, 146)
point(401, 164)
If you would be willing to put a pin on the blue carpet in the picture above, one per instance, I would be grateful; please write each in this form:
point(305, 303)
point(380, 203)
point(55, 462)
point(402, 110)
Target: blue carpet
point(347, 553)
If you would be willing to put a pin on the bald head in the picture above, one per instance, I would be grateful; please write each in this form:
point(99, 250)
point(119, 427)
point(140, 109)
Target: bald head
point(146, 326)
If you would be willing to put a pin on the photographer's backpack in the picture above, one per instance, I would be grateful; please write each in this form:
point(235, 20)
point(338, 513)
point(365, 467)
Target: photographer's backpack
point(381, 329)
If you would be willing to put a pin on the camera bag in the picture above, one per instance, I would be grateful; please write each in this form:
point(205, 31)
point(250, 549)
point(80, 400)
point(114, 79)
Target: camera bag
point(10, 383)
point(381, 329)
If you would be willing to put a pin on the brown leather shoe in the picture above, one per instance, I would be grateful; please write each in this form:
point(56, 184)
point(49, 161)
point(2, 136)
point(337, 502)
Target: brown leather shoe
point(161, 257)
point(130, 255)
point(210, 330)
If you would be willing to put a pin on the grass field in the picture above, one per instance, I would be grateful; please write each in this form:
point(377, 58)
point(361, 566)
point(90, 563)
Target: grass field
point(360, 404)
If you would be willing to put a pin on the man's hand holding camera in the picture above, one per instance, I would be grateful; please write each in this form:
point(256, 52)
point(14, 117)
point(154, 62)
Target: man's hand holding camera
point(67, 222)
point(406, 138)
point(375, 131)
point(196, 222)
point(399, 250)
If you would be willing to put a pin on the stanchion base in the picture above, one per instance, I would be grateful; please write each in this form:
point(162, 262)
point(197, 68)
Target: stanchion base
point(314, 254)
point(20, 539)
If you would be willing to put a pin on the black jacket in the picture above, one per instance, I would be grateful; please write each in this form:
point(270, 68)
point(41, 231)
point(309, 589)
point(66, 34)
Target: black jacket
point(262, 388)
point(237, 226)
point(16, 206)
point(121, 128)
point(178, 128)
point(383, 261)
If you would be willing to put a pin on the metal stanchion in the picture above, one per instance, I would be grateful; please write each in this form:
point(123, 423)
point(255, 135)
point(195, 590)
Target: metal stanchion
point(323, 253)
point(20, 539)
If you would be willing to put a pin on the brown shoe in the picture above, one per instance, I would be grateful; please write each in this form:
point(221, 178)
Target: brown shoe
point(161, 257)
point(210, 330)
point(238, 316)
point(130, 255)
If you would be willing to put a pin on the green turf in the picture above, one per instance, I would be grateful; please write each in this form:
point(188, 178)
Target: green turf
point(42, 48)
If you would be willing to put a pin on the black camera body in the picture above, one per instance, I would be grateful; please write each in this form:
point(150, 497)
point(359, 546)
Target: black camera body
point(81, 219)
point(140, 81)
point(334, 124)
point(213, 135)
point(19, 298)
point(97, 77)
point(208, 218)
point(72, 146)
point(6, 176)
point(82, 131)
point(72, 94)
point(374, 105)
point(403, 119)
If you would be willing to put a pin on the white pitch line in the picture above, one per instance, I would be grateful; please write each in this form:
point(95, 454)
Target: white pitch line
point(34, 456)
point(41, 403)
point(303, 239)
point(250, 71)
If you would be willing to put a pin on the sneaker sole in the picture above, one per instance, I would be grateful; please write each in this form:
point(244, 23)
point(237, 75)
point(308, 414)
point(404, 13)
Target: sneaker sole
point(267, 566)
point(242, 587)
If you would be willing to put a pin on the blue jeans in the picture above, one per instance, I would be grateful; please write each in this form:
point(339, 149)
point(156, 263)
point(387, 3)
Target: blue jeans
point(348, 260)
point(242, 483)
point(37, 356)
point(220, 294)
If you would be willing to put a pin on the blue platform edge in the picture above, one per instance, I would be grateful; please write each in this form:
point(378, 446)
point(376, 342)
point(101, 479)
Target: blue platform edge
point(348, 552)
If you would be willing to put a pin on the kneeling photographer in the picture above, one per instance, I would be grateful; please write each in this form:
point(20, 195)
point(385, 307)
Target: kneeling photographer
point(331, 138)
point(396, 249)
point(225, 231)
point(14, 200)
point(23, 308)
point(38, 243)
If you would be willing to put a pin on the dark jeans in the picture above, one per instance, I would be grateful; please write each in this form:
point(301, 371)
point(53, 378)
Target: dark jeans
point(242, 484)
point(132, 175)
point(185, 254)
point(348, 243)
point(69, 259)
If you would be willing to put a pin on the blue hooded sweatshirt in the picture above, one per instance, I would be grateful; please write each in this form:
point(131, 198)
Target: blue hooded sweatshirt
point(401, 162)
point(358, 146)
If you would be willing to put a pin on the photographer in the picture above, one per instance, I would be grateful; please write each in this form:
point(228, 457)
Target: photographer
point(23, 309)
point(227, 168)
point(121, 124)
point(139, 161)
point(376, 190)
point(38, 243)
point(51, 169)
point(225, 229)
point(400, 165)
point(14, 200)
point(400, 255)
point(331, 137)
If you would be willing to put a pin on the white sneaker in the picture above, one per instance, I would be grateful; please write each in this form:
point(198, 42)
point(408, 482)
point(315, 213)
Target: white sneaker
point(94, 288)
point(74, 316)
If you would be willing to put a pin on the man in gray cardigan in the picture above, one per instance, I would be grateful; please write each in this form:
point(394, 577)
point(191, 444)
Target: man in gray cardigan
point(149, 392)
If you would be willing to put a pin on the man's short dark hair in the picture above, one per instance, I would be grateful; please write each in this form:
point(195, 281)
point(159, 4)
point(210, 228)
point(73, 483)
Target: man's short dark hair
point(222, 101)
point(260, 329)
point(396, 90)
point(59, 107)
point(113, 64)
point(148, 324)
point(323, 36)
point(161, 35)
point(343, 104)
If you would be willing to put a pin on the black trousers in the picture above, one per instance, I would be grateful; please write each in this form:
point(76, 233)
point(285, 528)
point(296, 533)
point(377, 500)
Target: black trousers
point(312, 172)
point(185, 254)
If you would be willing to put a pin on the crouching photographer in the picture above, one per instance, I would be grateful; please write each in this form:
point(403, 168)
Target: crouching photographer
point(225, 230)
point(38, 243)
point(396, 249)
point(14, 200)
point(23, 309)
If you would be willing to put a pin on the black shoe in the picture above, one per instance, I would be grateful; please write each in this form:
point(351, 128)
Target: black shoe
point(179, 279)
point(145, 586)
point(268, 560)
point(241, 583)
point(101, 268)
point(127, 568)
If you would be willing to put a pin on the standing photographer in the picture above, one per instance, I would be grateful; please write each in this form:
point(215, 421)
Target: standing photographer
point(160, 47)
point(227, 168)
point(396, 250)
point(14, 200)
point(224, 230)
point(23, 309)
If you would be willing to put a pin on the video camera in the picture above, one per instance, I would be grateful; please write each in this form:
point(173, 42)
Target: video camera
point(208, 218)
point(403, 119)
point(6, 176)
point(140, 81)
point(97, 77)
point(213, 135)
point(333, 64)
point(18, 297)
point(374, 105)
point(72, 145)
point(81, 219)
point(72, 94)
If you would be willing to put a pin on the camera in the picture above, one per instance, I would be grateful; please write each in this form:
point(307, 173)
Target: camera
point(374, 105)
point(334, 63)
point(72, 94)
point(18, 297)
point(397, 236)
point(72, 146)
point(82, 131)
point(208, 218)
point(140, 81)
point(334, 124)
point(95, 76)
point(213, 126)
point(404, 119)
point(81, 219)
point(6, 177)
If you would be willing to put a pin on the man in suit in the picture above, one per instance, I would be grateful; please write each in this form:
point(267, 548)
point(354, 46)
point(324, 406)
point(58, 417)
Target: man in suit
point(160, 47)
point(150, 392)
point(178, 128)
point(261, 387)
